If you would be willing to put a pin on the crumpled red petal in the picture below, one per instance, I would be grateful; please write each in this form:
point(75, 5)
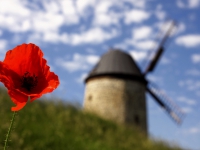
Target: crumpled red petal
point(25, 57)
point(52, 81)
point(7, 77)
point(19, 99)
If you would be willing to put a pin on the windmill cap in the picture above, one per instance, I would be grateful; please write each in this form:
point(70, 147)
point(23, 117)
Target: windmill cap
point(116, 63)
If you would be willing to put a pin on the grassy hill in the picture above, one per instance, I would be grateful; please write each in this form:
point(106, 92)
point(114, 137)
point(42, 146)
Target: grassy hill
point(48, 125)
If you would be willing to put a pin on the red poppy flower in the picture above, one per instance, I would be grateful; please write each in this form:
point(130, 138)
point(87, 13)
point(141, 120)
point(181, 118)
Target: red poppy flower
point(25, 73)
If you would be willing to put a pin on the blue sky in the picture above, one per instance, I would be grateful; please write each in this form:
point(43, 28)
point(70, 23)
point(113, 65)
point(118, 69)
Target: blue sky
point(73, 34)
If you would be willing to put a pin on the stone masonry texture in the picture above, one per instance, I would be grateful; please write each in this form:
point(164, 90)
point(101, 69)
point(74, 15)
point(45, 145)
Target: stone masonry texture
point(117, 99)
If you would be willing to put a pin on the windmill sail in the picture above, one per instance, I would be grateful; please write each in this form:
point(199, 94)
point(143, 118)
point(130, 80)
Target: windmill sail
point(172, 109)
point(155, 60)
point(159, 52)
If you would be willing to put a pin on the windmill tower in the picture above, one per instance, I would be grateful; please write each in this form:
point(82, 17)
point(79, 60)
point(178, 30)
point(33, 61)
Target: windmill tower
point(116, 87)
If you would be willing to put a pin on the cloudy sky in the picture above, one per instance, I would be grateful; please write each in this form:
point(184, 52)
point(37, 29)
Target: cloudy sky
point(73, 35)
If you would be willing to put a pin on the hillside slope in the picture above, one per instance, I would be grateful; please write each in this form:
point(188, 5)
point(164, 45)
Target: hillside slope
point(48, 125)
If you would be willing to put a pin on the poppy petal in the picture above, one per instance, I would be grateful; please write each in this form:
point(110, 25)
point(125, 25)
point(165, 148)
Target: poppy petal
point(32, 98)
point(8, 77)
point(25, 58)
point(18, 107)
point(52, 84)
point(18, 98)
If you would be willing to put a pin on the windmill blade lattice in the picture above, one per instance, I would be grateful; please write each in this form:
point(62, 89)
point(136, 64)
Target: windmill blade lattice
point(172, 109)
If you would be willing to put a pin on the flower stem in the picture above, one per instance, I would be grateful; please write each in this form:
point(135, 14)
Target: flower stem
point(9, 130)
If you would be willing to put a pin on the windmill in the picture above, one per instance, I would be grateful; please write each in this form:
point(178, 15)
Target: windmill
point(116, 87)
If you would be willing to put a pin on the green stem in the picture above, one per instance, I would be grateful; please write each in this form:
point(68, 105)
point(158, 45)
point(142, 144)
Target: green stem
point(9, 130)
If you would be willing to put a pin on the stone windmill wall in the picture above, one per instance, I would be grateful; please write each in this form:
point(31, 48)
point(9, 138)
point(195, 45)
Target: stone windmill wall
point(114, 95)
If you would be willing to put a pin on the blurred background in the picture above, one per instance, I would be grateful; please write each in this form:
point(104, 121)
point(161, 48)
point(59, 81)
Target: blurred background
point(74, 34)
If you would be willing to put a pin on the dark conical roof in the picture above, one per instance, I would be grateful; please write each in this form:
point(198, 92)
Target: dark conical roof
point(116, 63)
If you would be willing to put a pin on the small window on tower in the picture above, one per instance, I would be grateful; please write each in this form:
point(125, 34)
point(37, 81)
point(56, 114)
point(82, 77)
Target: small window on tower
point(136, 120)
point(90, 98)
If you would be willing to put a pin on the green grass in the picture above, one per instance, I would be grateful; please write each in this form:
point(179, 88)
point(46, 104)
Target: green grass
point(48, 125)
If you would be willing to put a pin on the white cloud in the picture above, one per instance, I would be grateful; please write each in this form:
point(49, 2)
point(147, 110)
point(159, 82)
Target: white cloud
point(136, 3)
point(186, 100)
point(16, 16)
point(13, 7)
point(69, 11)
point(136, 16)
point(71, 66)
point(54, 37)
point(193, 3)
point(165, 60)
point(78, 62)
point(155, 79)
point(191, 85)
point(191, 40)
point(92, 59)
point(145, 45)
point(47, 29)
point(195, 58)
point(188, 4)
point(105, 19)
point(192, 130)
point(83, 5)
point(51, 6)
point(14, 23)
point(92, 36)
point(142, 32)
point(103, 15)
point(160, 14)
point(186, 110)
point(138, 55)
point(45, 24)
point(140, 40)
point(103, 6)
point(180, 4)
point(42, 22)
